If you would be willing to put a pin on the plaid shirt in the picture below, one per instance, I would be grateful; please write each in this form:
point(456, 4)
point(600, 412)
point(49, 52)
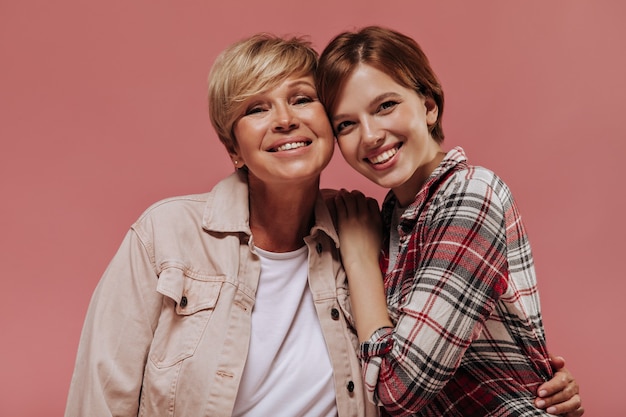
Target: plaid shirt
point(468, 337)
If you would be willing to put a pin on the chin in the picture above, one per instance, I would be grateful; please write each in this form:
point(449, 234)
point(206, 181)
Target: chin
point(388, 183)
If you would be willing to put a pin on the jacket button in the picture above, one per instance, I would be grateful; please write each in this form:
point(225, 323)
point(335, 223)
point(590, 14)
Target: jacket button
point(350, 386)
point(319, 248)
point(334, 313)
point(183, 302)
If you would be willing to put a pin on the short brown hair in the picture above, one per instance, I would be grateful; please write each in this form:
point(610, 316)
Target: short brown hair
point(391, 52)
point(249, 67)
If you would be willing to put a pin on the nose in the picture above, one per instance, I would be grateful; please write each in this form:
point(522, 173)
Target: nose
point(372, 134)
point(284, 119)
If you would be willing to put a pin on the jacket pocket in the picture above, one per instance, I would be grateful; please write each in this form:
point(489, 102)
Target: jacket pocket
point(187, 307)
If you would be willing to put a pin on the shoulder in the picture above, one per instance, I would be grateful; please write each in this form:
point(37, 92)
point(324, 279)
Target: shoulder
point(171, 216)
point(174, 207)
point(474, 175)
point(460, 174)
point(477, 179)
point(193, 205)
point(478, 189)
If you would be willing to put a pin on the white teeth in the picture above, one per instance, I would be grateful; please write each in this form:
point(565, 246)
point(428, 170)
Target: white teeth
point(383, 157)
point(288, 146)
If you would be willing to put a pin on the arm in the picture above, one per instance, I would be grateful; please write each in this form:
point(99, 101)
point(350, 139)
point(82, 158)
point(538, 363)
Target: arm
point(446, 298)
point(560, 395)
point(116, 336)
point(360, 236)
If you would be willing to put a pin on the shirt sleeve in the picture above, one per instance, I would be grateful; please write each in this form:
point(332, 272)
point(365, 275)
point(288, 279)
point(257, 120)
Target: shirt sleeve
point(116, 336)
point(454, 272)
point(379, 343)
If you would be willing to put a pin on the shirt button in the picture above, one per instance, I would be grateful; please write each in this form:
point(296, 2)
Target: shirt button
point(350, 386)
point(183, 302)
point(319, 248)
point(334, 313)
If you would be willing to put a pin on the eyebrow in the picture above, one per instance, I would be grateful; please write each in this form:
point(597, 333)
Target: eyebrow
point(301, 82)
point(376, 99)
point(292, 84)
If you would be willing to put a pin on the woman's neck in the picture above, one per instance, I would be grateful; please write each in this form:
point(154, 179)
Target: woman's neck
point(280, 217)
point(406, 192)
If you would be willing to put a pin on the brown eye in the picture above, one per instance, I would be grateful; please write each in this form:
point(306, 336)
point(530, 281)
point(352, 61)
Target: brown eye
point(303, 100)
point(342, 126)
point(254, 110)
point(388, 105)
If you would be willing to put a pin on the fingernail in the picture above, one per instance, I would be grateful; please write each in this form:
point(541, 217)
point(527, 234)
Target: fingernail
point(543, 393)
point(551, 410)
point(540, 403)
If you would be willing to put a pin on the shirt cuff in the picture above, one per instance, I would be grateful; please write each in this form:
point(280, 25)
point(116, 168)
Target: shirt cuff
point(379, 343)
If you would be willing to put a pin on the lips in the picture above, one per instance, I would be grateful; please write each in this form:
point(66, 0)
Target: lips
point(385, 156)
point(290, 146)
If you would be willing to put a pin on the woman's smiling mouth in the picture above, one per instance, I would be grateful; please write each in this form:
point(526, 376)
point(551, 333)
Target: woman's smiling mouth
point(385, 156)
point(289, 146)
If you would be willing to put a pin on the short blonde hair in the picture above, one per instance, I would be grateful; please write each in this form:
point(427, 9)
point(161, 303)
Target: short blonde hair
point(249, 67)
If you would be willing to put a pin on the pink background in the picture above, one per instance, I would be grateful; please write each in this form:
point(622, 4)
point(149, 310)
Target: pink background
point(103, 111)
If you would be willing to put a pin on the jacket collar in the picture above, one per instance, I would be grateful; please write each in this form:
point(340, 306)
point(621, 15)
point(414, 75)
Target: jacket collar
point(226, 210)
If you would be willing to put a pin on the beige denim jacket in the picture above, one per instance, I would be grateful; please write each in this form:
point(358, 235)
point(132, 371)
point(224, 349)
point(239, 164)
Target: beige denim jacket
point(168, 327)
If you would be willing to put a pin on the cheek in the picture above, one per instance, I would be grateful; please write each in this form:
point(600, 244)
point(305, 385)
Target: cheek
point(324, 131)
point(319, 123)
point(250, 126)
point(248, 130)
point(244, 137)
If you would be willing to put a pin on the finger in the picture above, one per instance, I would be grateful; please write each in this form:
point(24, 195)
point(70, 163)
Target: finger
point(557, 362)
point(349, 202)
point(340, 205)
point(360, 201)
point(357, 194)
point(563, 396)
point(559, 382)
point(573, 405)
point(332, 209)
point(372, 205)
point(328, 193)
point(579, 412)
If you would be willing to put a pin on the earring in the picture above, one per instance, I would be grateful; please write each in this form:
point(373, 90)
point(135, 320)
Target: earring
point(235, 162)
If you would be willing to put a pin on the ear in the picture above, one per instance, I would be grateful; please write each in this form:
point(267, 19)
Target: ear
point(237, 160)
point(432, 110)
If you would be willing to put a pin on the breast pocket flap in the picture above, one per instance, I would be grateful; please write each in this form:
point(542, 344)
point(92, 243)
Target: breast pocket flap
point(191, 293)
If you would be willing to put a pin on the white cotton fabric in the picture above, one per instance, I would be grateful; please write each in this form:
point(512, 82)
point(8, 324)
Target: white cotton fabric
point(288, 370)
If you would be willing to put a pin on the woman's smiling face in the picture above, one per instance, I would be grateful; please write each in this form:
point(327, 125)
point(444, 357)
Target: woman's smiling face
point(382, 131)
point(284, 134)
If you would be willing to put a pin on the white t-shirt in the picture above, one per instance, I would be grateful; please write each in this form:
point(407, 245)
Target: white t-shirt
point(288, 370)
